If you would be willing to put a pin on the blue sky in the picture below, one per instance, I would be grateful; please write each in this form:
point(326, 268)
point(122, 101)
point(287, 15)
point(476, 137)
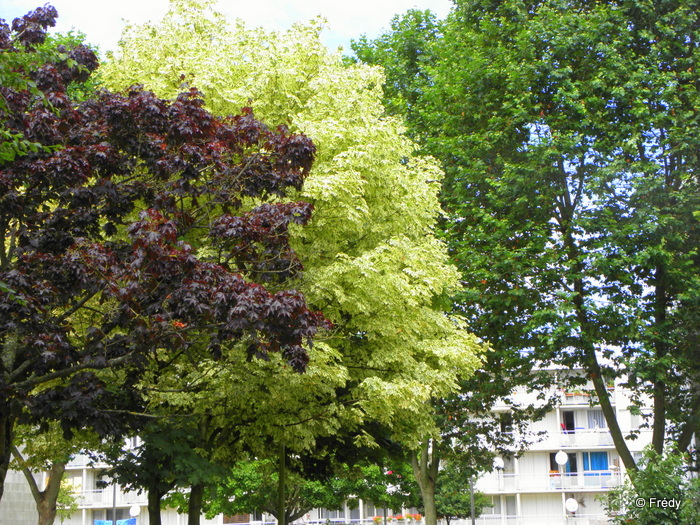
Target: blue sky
point(103, 20)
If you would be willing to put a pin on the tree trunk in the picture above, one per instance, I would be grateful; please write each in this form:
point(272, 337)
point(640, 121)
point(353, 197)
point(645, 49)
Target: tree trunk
point(194, 511)
point(154, 507)
point(425, 470)
point(618, 438)
point(44, 500)
point(691, 425)
point(47, 512)
point(6, 438)
point(46, 504)
point(281, 496)
point(592, 366)
point(660, 327)
point(428, 495)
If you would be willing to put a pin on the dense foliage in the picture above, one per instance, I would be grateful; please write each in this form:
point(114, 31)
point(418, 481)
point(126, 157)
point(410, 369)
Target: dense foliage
point(659, 478)
point(253, 486)
point(453, 500)
point(372, 264)
point(100, 266)
point(568, 134)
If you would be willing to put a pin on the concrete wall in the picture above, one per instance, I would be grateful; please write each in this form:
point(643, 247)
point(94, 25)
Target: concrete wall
point(17, 505)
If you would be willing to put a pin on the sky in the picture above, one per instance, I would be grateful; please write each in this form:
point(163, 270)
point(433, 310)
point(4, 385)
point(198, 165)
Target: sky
point(103, 20)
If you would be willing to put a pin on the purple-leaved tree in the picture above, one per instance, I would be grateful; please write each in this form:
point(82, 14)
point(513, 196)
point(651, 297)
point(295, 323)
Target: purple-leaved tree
point(105, 208)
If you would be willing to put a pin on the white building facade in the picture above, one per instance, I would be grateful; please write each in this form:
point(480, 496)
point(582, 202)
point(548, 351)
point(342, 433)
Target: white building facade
point(576, 460)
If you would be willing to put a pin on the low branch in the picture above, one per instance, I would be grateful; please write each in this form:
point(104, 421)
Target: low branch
point(32, 383)
point(33, 487)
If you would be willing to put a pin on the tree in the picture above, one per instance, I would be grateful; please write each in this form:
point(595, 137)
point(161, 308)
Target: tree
point(470, 434)
point(253, 486)
point(567, 136)
point(47, 451)
point(452, 499)
point(405, 53)
point(164, 460)
point(95, 267)
point(372, 263)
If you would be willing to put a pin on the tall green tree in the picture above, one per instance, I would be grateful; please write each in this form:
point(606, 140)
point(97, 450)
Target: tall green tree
point(371, 260)
point(405, 52)
point(38, 451)
point(453, 498)
point(568, 133)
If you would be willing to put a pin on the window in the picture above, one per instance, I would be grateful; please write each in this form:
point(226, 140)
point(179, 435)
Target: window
point(511, 506)
point(332, 514)
point(568, 424)
point(571, 465)
point(595, 468)
point(495, 508)
point(596, 419)
point(506, 421)
point(508, 465)
point(593, 461)
point(106, 515)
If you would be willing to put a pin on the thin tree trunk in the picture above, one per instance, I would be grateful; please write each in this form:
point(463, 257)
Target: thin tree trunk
point(618, 438)
point(425, 470)
point(154, 507)
point(592, 365)
point(660, 348)
point(281, 496)
point(45, 500)
point(196, 499)
point(49, 496)
point(691, 425)
point(6, 440)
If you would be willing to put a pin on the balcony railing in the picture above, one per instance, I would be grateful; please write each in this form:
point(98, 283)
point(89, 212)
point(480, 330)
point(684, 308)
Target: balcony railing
point(575, 399)
point(540, 519)
point(101, 498)
point(586, 437)
point(552, 481)
point(587, 397)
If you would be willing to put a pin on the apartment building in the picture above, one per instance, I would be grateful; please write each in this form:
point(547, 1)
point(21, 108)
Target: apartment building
point(563, 478)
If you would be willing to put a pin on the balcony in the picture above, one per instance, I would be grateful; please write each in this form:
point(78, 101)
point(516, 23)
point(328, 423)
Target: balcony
point(542, 519)
point(581, 438)
point(103, 498)
point(570, 398)
point(552, 481)
point(586, 438)
point(583, 397)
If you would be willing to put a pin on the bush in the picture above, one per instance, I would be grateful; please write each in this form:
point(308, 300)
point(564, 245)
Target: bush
point(660, 493)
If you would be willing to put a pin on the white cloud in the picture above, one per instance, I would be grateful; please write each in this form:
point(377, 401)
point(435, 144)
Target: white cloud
point(102, 21)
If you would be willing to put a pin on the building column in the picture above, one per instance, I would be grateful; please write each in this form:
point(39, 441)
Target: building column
point(563, 503)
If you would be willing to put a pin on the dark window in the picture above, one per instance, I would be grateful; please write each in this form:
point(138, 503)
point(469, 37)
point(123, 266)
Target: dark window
point(568, 421)
point(506, 421)
point(571, 465)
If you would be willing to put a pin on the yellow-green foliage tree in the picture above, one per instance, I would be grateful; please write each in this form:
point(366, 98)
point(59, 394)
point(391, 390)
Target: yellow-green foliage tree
point(372, 264)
